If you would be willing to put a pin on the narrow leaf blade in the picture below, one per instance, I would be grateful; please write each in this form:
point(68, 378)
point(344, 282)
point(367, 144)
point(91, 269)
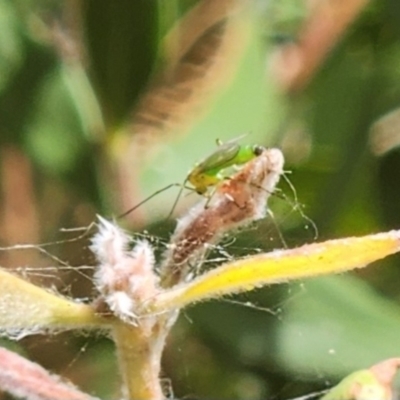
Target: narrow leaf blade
point(316, 259)
point(26, 308)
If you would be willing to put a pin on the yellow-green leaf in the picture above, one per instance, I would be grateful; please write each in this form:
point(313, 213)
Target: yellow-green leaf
point(26, 308)
point(280, 266)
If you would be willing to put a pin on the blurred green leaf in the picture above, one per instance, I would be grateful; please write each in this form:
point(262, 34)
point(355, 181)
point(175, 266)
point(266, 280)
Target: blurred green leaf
point(55, 134)
point(336, 325)
point(11, 46)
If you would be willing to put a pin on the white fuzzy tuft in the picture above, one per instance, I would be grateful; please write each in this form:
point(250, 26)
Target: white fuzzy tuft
point(110, 243)
point(122, 305)
point(124, 277)
point(144, 252)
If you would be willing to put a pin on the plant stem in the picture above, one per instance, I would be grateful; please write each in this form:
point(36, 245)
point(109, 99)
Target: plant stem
point(139, 361)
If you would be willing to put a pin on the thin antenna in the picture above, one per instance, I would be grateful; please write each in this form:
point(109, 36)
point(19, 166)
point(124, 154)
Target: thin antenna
point(150, 197)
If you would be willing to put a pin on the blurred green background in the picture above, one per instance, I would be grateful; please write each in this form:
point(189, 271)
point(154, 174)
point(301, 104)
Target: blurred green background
point(79, 136)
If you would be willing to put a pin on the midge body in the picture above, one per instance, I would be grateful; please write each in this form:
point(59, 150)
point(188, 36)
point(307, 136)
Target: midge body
point(212, 170)
point(209, 172)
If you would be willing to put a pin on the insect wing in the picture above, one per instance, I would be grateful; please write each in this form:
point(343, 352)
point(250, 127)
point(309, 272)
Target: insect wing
point(223, 157)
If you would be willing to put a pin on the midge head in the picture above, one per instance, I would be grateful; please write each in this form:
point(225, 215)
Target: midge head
point(209, 172)
point(257, 149)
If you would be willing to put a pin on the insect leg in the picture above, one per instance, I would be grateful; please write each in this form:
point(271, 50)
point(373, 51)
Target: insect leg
point(147, 199)
point(183, 186)
point(209, 197)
